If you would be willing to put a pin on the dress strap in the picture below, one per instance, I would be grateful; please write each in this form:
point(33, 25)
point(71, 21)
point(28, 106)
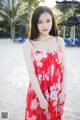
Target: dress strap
point(32, 43)
point(57, 42)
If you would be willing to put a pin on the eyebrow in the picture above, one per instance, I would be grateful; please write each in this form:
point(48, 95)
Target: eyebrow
point(46, 19)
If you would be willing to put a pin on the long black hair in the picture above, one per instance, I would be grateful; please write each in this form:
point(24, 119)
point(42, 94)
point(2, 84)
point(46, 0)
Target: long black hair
point(33, 31)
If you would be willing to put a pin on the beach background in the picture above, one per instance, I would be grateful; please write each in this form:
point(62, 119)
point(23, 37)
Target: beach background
point(14, 81)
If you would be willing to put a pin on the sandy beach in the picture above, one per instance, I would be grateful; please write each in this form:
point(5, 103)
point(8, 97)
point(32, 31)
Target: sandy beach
point(14, 81)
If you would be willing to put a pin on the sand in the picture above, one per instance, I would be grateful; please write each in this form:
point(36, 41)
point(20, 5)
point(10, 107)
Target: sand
point(14, 81)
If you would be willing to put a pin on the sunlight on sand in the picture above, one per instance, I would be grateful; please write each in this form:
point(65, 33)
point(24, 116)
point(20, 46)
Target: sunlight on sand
point(14, 81)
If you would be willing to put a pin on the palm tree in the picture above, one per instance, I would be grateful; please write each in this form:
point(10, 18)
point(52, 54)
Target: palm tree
point(12, 13)
point(64, 8)
point(31, 5)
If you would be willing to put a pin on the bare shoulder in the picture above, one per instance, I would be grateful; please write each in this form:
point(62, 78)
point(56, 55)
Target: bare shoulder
point(60, 39)
point(27, 45)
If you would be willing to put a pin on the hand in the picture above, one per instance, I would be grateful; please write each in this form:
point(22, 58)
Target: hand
point(44, 104)
point(61, 98)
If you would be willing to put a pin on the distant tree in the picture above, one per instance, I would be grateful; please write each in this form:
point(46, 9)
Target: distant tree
point(64, 8)
point(77, 9)
point(31, 5)
point(12, 12)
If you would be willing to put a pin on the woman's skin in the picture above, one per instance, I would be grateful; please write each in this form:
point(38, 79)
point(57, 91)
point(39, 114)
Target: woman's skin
point(46, 43)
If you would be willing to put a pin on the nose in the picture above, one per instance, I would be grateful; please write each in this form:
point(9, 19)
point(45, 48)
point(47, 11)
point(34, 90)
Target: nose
point(44, 25)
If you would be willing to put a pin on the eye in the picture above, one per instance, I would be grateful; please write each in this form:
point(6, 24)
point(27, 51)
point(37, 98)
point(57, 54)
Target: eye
point(39, 22)
point(48, 21)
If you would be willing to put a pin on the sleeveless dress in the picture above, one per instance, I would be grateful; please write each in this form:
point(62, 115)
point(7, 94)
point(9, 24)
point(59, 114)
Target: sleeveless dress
point(49, 72)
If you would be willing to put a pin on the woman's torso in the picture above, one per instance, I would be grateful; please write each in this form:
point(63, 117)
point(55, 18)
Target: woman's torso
point(45, 46)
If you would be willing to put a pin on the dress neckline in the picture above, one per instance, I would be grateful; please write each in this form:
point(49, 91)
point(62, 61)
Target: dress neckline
point(47, 52)
point(58, 48)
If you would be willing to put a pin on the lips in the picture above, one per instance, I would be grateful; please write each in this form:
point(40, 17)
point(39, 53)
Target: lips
point(45, 30)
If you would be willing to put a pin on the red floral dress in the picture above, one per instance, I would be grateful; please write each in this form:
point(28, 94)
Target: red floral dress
point(49, 72)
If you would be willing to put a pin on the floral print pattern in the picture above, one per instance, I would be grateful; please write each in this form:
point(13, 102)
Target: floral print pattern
point(49, 73)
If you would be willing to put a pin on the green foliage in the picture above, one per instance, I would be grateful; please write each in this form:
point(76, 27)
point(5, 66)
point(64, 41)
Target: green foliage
point(77, 9)
point(16, 12)
point(66, 11)
point(12, 13)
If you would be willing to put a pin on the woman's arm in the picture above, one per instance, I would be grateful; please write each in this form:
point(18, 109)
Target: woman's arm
point(63, 92)
point(32, 75)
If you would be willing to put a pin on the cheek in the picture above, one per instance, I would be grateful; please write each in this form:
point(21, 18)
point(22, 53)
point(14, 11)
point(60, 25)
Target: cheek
point(39, 26)
point(50, 24)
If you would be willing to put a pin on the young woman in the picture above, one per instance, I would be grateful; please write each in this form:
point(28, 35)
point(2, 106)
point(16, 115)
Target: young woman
point(45, 59)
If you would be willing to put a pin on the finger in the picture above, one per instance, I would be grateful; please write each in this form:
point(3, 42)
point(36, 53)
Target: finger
point(47, 109)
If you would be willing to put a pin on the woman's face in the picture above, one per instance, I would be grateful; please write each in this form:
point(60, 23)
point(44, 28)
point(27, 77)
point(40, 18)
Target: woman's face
point(44, 23)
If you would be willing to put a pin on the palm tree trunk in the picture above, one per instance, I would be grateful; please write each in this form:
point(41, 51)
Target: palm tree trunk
point(30, 9)
point(29, 13)
point(13, 33)
point(72, 28)
point(64, 31)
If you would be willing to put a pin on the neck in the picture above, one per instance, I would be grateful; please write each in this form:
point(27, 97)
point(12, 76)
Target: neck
point(44, 37)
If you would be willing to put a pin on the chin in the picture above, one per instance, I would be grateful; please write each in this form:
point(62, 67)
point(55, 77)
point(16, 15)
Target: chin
point(45, 33)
